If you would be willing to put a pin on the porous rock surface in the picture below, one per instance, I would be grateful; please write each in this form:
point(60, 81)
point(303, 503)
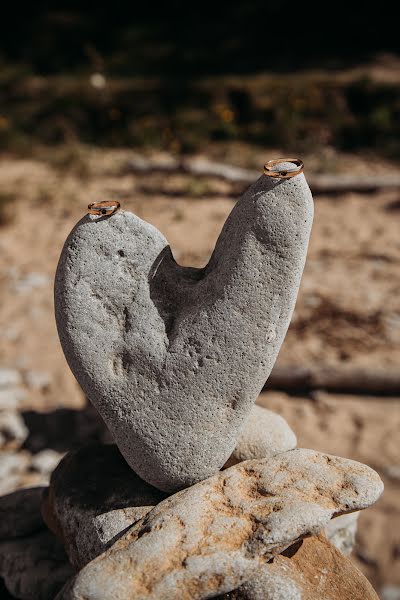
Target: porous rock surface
point(93, 497)
point(315, 570)
point(213, 537)
point(33, 563)
point(174, 357)
point(264, 434)
point(34, 567)
point(20, 513)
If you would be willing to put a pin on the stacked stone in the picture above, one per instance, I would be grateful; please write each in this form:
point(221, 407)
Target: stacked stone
point(205, 495)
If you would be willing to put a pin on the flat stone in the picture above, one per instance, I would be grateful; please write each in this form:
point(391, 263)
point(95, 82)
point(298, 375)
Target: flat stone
point(315, 571)
point(213, 537)
point(174, 357)
point(94, 496)
point(34, 567)
point(265, 434)
point(342, 532)
point(20, 512)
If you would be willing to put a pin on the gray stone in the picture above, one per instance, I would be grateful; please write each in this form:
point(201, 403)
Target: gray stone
point(213, 537)
point(342, 532)
point(20, 513)
point(93, 498)
point(35, 567)
point(13, 431)
point(174, 357)
point(265, 434)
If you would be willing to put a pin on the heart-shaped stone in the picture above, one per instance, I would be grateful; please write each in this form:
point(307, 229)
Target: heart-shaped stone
point(173, 357)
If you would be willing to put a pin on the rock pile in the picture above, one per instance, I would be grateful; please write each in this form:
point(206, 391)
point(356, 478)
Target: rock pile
point(204, 494)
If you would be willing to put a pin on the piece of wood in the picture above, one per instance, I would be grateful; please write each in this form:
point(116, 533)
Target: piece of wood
point(319, 184)
point(338, 379)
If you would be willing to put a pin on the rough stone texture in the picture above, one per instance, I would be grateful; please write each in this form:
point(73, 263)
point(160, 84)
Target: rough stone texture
point(174, 357)
point(315, 571)
point(35, 567)
point(265, 434)
point(93, 498)
point(211, 538)
point(20, 513)
point(342, 532)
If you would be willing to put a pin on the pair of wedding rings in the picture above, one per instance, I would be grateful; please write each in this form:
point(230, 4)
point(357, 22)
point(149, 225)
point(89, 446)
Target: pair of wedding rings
point(109, 207)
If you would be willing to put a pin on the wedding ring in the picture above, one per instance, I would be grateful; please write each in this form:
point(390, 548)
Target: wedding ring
point(105, 208)
point(279, 173)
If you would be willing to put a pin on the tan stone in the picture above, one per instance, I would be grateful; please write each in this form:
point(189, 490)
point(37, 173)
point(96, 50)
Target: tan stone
point(315, 571)
point(212, 537)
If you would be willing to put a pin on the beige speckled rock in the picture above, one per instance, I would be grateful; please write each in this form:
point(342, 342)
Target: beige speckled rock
point(265, 434)
point(212, 537)
point(315, 571)
point(93, 497)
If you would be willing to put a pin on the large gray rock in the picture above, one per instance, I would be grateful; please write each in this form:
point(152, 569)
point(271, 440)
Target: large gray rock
point(34, 567)
point(211, 538)
point(94, 496)
point(265, 434)
point(172, 357)
point(20, 512)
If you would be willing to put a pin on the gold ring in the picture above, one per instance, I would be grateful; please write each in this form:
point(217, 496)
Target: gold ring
point(105, 208)
point(283, 173)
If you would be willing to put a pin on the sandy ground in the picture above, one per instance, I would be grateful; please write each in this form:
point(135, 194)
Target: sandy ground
point(348, 309)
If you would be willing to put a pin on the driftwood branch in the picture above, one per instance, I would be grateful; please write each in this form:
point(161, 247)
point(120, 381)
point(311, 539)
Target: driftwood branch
point(351, 380)
point(319, 184)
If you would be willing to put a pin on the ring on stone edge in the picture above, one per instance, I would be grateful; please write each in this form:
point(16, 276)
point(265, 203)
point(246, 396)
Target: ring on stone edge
point(283, 173)
point(105, 208)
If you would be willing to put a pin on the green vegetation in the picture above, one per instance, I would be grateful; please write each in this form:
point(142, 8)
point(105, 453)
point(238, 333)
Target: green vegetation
point(299, 111)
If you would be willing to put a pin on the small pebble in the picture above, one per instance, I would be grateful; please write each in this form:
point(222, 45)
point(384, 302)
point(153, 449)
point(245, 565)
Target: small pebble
point(12, 429)
point(46, 461)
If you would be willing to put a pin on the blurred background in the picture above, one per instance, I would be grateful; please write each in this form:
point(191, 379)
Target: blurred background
point(143, 104)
